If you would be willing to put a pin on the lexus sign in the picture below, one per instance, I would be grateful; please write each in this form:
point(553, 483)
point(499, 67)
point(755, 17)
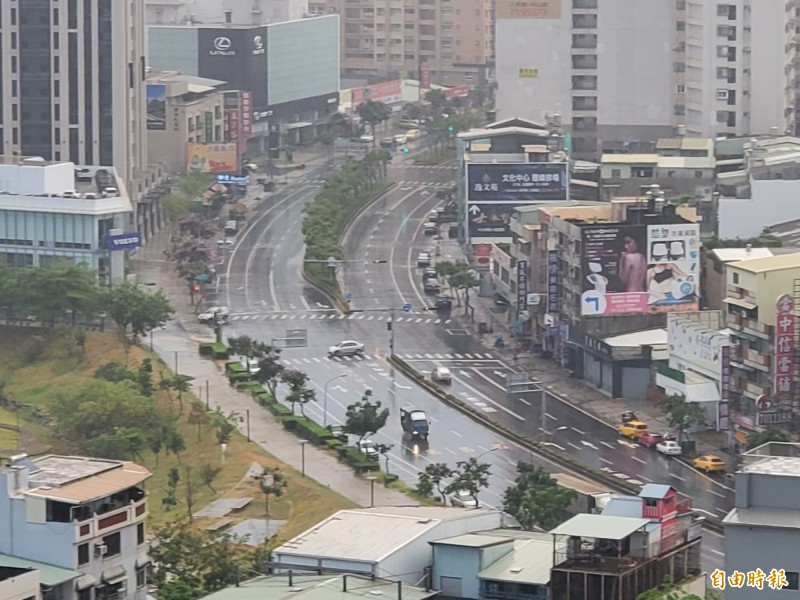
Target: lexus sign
point(258, 45)
point(222, 47)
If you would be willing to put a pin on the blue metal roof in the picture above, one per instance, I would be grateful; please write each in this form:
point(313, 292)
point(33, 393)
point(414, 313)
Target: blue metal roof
point(655, 490)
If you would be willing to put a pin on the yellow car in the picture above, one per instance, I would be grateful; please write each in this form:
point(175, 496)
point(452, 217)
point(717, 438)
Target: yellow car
point(709, 463)
point(633, 429)
point(412, 134)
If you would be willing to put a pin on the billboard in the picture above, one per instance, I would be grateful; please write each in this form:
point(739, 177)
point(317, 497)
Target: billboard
point(553, 283)
point(784, 347)
point(640, 269)
point(388, 91)
point(124, 241)
point(522, 285)
point(156, 107)
point(528, 9)
point(459, 91)
point(517, 182)
point(212, 158)
point(425, 75)
point(489, 220)
point(698, 346)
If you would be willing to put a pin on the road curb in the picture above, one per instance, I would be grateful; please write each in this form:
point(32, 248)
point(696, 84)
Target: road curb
point(556, 457)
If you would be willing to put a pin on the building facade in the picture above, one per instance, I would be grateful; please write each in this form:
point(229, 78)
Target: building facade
point(19, 584)
point(444, 42)
point(700, 68)
point(72, 89)
point(51, 213)
point(230, 12)
point(290, 69)
point(82, 514)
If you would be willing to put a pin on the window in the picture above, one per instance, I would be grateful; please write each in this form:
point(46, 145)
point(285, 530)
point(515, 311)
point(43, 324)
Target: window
point(85, 594)
point(736, 278)
point(141, 577)
point(113, 544)
point(140, 534)
point(83, 554)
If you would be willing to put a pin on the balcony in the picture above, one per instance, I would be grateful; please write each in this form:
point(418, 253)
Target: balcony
point(739, 322)
point(111, 520)
point(756, 359)
point(753, 390)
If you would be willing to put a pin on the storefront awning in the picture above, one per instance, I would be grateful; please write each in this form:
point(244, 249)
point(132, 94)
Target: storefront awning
point(114, 574)
point(291, 126)
point(742, 303)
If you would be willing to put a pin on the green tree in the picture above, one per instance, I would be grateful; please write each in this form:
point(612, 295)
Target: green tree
point(133, 308)
point(757, 438)
point(438, 474)
point(536, 499)
point(170, 498)
point(225, 425)
point(424, 485)
point(272, 483)
point(178, 589)
point(269, 372)
point(437, 100)
point(373, 113)
point(244, 345)
point(298, 392)
point(682, 415)
point(383, 450)
point(125, 443)
point(208, 473)
point(364, 418)
point(50, 293)
point(470, 476)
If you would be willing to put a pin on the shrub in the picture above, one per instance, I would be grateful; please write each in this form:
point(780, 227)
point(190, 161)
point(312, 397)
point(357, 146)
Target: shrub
point(32, 349)
point(234, 366)
point(333, 444)
point(313, 432)
point(236, 378)
point(390, 478)
point(289, 421)
point(353, 457)
point(206, 349)
point(263, 397)
point(279, 410)
point(219, 351)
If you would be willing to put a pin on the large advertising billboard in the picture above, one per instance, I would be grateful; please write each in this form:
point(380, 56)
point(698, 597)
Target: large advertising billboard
point(516, 182)
point(212, 158)
point(640, 269)
point(528, 9)
point(490, 220)
point(784, 347)
point(387, 91)
point(156, 107)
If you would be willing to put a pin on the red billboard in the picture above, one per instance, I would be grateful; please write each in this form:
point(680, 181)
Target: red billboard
point(425, 75)
point(784, 347)
point(388, 92)
point(245, 120)
point(460, 91)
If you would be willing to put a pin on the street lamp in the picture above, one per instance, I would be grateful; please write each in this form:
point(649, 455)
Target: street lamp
point(495, 448)
point(303, 457)
point(371, 480)
point(325, 397)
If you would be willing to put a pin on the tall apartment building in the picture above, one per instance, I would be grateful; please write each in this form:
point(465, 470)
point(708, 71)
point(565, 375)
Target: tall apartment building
point(383, 40)
point(229, 12)
point(85, 515)
point(72, 82)
point(622, 73)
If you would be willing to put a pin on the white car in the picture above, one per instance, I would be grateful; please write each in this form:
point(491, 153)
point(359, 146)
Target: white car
point(423, 259)
point(670, 448)
point(367, 138)
point(463, 499)
point(346, 348)
point(442, 375)
point(369, 449)
point(218, 313)
point(430, 228)
point(400, 138)
point(251, 364)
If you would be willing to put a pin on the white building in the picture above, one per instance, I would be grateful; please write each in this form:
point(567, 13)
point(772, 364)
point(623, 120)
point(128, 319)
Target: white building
point(621, 73)
point(19, 583)
point(80, 514)
point(217, 12)
point(73, 83)
point(385, 542)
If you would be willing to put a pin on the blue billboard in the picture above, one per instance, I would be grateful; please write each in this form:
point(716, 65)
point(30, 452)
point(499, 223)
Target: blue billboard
point(516, 182)
point(124, 241)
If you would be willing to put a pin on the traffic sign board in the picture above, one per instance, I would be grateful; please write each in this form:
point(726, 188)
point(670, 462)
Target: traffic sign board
point(406, 307)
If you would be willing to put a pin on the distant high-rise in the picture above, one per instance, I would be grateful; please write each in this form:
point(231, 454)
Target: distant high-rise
point(72, 82)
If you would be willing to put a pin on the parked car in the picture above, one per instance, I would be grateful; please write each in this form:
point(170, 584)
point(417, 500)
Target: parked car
point(338, 433)
point(215, 313)
point(409, 123)
point(369, 449)
point(463, 499)
point(424, 259)
point(413, 134)
point(443, 305)
point(650, 439)
point(346, 348)
point(251, 364)
point(429, 273)
point(400, 138)
point(441, 375)
point(430, 228)
point(633, 429)
point(670, 448)
point(367, 138)
point(431, 286)
point(709, 463)
point(387, 142)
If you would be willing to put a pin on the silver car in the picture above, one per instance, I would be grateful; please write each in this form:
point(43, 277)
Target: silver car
point(442, 375)
point(346, 348)
point(463, 499)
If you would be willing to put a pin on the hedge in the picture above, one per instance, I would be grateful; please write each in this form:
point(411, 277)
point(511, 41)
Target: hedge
point(334, 444)
point(206, 349)
point(313, 432)
point(390, 478)
point(356, 459)
point(236, 378)
point(219, 351)
point(234, 366)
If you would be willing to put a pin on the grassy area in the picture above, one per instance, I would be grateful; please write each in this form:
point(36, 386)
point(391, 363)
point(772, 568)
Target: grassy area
point(60, 368)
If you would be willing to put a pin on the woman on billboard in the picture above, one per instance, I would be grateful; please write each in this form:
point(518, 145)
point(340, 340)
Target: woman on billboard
point(632, 266)
point(666, 282)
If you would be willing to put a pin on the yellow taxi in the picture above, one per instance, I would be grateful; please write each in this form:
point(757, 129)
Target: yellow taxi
point(633, 429)
point(412, 134)
point(709, 463)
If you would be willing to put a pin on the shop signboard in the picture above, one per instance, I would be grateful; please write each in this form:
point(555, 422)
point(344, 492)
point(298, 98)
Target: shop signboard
point(553, 283)
point(784, 347)
point(522, 285)
point(516, 182)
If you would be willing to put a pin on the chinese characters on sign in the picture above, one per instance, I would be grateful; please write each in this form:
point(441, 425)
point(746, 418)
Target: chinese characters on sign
point(775, 580)
point(522, 285)
point(528, 9)
point(552, 282)
point(528, 73)
point(725, 389)
point(517, 182)
point(784, 347)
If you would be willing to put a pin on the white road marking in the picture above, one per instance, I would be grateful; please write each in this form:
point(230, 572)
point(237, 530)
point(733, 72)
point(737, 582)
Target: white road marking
point(451, 452)
point(575, 446)
point(525, 402)
point(637, 459)
point(717, 494)
point(605, 460)
point(578, 431)
point(549, 416)
point(454, 432)
point(607, 445)
point(678, 477)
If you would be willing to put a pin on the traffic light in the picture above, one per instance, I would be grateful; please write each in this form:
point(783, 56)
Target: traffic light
point(388, 326)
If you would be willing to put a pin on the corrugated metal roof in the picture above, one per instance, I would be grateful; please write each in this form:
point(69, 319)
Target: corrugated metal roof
point(600, 527)
point(96, 486)
point(624, 506)
point(648, 337)
point(687, 162)
point(529, 562)
point(49, 575)
point(473, 540)
point(771, 263)
point(669, 144)
point(625, 159)
point(697, 143)
point(655, 490)
point(735, 254)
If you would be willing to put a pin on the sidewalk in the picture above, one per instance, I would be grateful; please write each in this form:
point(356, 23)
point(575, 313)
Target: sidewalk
point(178, 344)
point(557, 379)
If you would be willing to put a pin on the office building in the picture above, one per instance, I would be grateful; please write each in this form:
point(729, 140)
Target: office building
point(763, 529)
point(81, 514)
point(224, 12)
point(72, 74)
point(289, 70)
point(439, 41)
point(620, 74)
point(761, 306)
point(54, 212)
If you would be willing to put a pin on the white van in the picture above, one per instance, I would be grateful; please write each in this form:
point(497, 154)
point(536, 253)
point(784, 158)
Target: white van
point(231, 227)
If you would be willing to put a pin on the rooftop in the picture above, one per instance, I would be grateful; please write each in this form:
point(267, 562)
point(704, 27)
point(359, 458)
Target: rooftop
point(625, 159)
point(737, 254)
point(351, 534)
point(529, 562)
point(479, 134)
point(773, 458)
point(319, 587)
point(77, 479)
point(600, 527)
point(770, 263)
point(648, 337)
point(780, 518)
point(473, 540)
point(49, 575)
point(655, 490)
point(623, 506)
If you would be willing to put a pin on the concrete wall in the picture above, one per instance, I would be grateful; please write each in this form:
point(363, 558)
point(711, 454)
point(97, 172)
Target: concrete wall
point(24, 586)
point(457, 562)
point(751, 548)
point(771, 202)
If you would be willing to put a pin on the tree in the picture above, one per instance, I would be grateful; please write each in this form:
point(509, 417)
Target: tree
point(437, 474)
point(757, 438)
point(470, 476)
point(269, 370)
point(298, 392)
point(365, 418)
point(383, 450)
point(170, 498)
point(272, 483)
point(189, 489)
point(225, 425)
point(682, 415)
point(125, 443)
point(131, 307)
point(373, 113)
point(244, 345)
point(208, 473)
point(424, 485)
point(536, 499)
point(437, 100)
point(178, 589)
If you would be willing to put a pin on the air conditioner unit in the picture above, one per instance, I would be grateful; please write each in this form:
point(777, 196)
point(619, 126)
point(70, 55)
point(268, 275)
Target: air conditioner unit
point(746, 49)
point(100, 550)
point(722, 94)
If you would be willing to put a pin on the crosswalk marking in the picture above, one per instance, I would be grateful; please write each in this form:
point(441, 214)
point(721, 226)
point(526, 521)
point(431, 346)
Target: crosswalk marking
point(332, 316)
